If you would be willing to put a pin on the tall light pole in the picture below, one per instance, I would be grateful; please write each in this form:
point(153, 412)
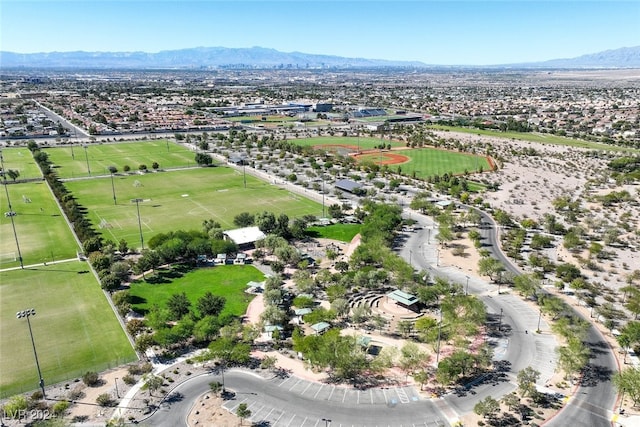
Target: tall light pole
point(327, 422)
point(439, 335)
point(113, 187)
point(244, 174)
point(322, 195)
point(86, 156)
point(137, 202)
point(539, 318)
point(466, 292)
point(11, 213)
point(27, 313)
point(115, 381)
point(500, 321)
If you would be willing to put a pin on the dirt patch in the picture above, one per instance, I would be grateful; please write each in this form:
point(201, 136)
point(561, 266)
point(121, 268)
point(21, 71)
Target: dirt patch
point(385, 158)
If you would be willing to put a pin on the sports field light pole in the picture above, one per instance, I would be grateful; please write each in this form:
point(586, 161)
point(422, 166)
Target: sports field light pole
point(86, 156)
point(113, 188)
point(322, 195)
point(27, 313)
point(137, 202)
point(11, 213)
point(244, 173)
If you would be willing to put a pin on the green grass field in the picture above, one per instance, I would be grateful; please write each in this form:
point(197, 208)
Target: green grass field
point(180, 200)
point(43, 234)
point(365, 143)
point(229, 281)
point(536, 137)
point(74, 328)
point(341, 232)
point(20, 159)
point(427, 162)
point(71, 162)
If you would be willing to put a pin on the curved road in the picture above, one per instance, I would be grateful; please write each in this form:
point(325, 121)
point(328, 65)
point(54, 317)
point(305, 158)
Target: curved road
point(291, 401)
point(296, 402)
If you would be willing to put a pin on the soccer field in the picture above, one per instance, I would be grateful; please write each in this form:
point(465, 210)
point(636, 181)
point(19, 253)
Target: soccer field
point(43, 234)
point(180, 199)
point(76, 161)
point(74, 328)
point(21, 160)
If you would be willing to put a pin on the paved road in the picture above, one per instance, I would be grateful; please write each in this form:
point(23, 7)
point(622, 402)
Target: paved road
point(292, 401)
point(593, 402)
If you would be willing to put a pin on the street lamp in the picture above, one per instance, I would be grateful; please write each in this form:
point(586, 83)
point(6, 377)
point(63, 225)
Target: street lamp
point(500, 321)
point(11, 213)
point(27, 313)
point(86, 156)
point(439, 335)
point(244, 173)
point(327, 422)
point(115, 381)
point(539, 318)
point(137, 202)
point(466, 292)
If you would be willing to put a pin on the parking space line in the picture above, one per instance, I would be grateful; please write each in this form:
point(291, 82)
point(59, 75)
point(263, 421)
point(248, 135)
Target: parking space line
point(371, 390)
point(303, 421)
point(276, 421)
point(291, 420)
point(294, 385)
point(344, 396)
point(280, 385)
point(321, 387)
point(331, 394)
point(305, 390)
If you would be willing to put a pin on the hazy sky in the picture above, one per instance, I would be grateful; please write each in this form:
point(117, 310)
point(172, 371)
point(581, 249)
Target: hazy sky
point(451, 32)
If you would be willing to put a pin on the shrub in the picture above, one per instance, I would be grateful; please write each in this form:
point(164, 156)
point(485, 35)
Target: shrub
point(15, 407)
point(129, 379)
point(105, 400)
point(90, 378)
point(59, 408)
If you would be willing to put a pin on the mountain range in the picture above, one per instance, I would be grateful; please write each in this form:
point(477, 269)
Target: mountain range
point(259, 57)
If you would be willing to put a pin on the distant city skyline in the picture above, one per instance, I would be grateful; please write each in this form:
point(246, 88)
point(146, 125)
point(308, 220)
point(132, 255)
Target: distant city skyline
point(434, 32)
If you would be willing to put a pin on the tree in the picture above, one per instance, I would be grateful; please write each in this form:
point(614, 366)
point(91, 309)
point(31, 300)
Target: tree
point(628, 382)
point(210, 305)
point(13, 174)
point(243, 412)
point(511, 400)
point(487, 408)
point(228, 350)
point(203, 159)
point(573, 356)
point(155, 165)
point(215, 387)
point(244, 219)
point(178, 305)
point(266, 222)
point(152, 383)
point(527, 379)
point(489, 266)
